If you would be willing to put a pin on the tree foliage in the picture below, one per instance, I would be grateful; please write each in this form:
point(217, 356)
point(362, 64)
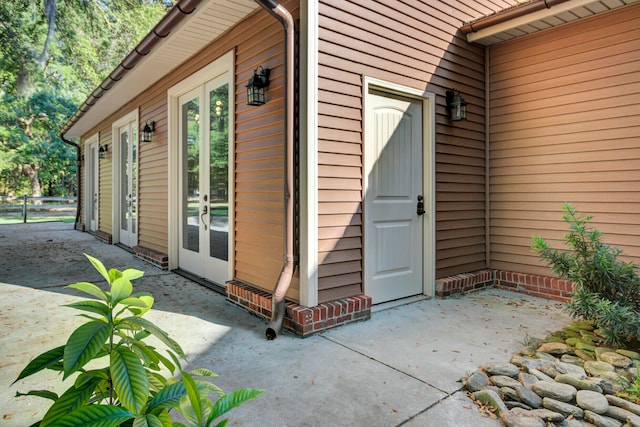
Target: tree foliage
point(53, 53)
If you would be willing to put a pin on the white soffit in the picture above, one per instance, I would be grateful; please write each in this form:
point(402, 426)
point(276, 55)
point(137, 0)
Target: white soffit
point(210, 19)
point(542, 19)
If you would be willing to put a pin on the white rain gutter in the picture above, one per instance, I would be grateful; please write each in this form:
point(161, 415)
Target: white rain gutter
point(278, 304)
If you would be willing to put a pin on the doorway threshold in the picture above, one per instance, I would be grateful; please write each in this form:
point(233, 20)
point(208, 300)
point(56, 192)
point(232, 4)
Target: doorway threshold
point(201, 281)
point(397, 303)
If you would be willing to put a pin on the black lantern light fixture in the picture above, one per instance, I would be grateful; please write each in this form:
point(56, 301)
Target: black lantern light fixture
point(256, 85)
point(102, 151)
point(456, 106)
point(147, 131)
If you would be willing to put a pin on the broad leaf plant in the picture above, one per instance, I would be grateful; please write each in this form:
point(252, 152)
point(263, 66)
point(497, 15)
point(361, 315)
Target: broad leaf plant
point(131, 389)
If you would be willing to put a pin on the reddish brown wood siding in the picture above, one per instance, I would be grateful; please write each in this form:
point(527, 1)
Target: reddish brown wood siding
point(564, 128)
point(414, 44)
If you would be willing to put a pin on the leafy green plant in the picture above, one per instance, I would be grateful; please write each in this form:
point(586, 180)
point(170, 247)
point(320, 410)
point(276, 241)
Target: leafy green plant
point(131, 388)
point(607, 290)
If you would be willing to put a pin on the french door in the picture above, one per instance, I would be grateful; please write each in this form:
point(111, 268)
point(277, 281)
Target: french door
point(203, 121)
point(92, 181)
point(127, 181)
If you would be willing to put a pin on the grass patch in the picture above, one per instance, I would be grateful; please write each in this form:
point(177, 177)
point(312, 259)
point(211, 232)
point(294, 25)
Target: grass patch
point(5, 220)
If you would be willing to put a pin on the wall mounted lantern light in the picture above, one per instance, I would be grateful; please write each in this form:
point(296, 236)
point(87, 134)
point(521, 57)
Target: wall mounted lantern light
point(456, 106)
point(147, 131)
point(256, 85)
point(103, 150)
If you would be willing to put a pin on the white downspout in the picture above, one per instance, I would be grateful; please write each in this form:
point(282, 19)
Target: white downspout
point(278, 305)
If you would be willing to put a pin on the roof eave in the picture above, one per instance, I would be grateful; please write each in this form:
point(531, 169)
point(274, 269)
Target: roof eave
point(139, 70)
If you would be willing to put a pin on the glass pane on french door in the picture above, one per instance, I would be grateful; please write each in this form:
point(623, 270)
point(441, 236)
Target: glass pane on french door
point(132, 172)
point(191, 175)
point(93, 186)
point(124, 180)
point(219, 172)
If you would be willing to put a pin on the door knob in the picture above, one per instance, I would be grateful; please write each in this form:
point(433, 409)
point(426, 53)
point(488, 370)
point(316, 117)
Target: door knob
point(420, 210)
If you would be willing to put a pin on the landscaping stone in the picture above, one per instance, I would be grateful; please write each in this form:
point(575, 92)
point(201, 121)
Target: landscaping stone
point(592, 401)
point(615, 359)
point(584, 355)
point(554, 390)
point(504, 381)
point(511, 404)
point(549, 416)
point(624, 404)
point(554, 348)
point(633, 421)
point(545, 356)
point(529, 397)
point(476, 381)
point(578, 382)
point(597, 368)
point(550, 370)
point(600, 350)
point(527, 379)
point(570, 368)
point(509, 394)
point(539, 375)
point(564, 408)
point(634, 355)
point(574, 360)
point(619, 413)
point(526, 362)
point(518, 417)
point(555, 384)
point(501, 368)
point(491, 398)
point(601, 421)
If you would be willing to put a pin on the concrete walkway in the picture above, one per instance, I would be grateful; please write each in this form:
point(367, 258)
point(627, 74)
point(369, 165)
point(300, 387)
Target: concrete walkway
point(402, 367)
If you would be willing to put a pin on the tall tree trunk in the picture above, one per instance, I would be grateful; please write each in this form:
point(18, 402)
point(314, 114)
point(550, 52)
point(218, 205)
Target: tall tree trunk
point(50, 13)
point(32, 173)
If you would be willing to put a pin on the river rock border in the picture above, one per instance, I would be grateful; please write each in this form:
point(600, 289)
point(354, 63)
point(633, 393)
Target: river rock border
point(568, 380)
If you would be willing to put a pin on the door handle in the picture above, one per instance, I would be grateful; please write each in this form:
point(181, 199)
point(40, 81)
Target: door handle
point(205, 211)
point(420, 210)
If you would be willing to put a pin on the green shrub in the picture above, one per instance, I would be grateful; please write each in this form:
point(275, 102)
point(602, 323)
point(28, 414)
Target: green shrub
point(130, 388)
point(607, 290)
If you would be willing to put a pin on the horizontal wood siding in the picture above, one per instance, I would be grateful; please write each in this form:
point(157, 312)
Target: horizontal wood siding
point(105, 205)
point(259, 152)
point(260, 155)
point(415, 44)
point(564, 128)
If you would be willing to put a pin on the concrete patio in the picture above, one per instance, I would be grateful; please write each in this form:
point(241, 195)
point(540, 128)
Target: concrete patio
point(402, 367)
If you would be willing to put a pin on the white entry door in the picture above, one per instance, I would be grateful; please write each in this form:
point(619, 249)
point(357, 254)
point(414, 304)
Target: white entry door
point(92, 185)
point(205, 174)
point(127, 135)
point(394, 197)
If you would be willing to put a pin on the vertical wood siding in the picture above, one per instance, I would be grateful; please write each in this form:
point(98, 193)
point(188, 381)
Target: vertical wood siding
point(564, 128)
point(415, 44)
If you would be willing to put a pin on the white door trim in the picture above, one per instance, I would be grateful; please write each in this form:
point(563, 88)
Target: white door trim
point(116, 173)
point(429, 184)
point(222, 65)
point(92, 175)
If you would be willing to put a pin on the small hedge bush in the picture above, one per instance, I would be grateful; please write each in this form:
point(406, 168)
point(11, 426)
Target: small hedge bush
point(607, 290)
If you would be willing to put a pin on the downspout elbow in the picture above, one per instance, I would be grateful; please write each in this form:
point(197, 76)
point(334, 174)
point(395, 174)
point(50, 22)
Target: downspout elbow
point(278, 303)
